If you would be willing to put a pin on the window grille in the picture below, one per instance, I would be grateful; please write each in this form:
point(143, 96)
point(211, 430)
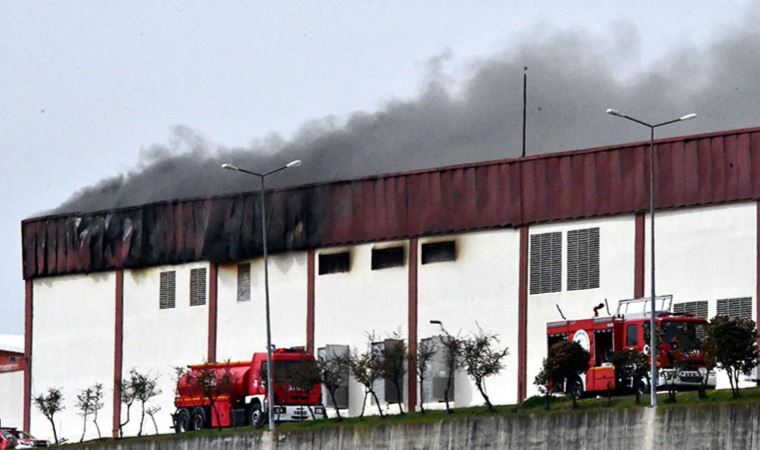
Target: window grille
point(383, 258)
point(167, 289)
point(546, 263)
point(740, 308)
point(439, 252)
point(695, 309)
point(583, 259)
point(244, 283)
point(334, 263)
point(198, 287)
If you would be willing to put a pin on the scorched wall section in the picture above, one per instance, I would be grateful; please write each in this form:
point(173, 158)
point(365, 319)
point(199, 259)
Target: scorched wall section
point(73, 347)
point(158, 340)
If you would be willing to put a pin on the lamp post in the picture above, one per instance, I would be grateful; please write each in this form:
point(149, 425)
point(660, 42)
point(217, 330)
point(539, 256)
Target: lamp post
point(652, 170)
point(270, 368)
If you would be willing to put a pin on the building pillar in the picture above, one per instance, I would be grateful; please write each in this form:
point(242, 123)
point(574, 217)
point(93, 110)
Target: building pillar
point(28, 329)
point(118, 349)
point(638, 256)
point(213, 305)
point(522, 318)
point(310, 301)
point(412, 327)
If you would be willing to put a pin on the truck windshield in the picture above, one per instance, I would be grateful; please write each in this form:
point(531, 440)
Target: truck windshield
point(684, 336)
point(283, 370)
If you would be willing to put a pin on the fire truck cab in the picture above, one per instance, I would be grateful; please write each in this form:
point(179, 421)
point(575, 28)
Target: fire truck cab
point(629, 329)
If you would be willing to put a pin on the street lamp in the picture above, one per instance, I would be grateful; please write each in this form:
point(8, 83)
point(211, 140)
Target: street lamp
point(270, 368)
point(652, 170)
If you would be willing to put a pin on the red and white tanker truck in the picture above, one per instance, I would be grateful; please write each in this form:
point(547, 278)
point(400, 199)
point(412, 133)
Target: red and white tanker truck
point(680, 336)
point(243, 398)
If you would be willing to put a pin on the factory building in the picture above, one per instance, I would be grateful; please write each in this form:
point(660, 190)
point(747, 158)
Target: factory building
point(497, 245)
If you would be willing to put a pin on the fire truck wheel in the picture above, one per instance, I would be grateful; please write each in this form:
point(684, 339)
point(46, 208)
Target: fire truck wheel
point(256, 415)
point(198, 419)
point(181, 421)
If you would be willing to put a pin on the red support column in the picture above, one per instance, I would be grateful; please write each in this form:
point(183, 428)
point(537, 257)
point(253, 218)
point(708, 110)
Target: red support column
point(757, 269)
point(638, 263)
point(310, 301)
point(522, 318)
point(118, 348)
point(28, 327)
point(213, 305)
point(412, 327)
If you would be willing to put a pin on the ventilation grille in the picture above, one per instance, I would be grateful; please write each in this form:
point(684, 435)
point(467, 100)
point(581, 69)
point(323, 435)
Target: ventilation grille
point(545, 263)
point(167, 289)
point(739, 308)
point(583, 259)
point(244, 283)
point(695, 309)
point(198, 287)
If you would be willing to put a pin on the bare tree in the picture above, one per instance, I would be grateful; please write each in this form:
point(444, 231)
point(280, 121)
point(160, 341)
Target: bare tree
point(426, 350)
point(331, 373)
point(140, 387)
point(127, 397)
point(89, 402)
point(392, 365)
point(49, 404)
point(366, 368)
point(151, 412)
point(454, 346)
point(481, 358)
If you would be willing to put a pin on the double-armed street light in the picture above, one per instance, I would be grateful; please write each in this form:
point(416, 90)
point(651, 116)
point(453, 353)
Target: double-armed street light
point(652, 175)
point(262, 177)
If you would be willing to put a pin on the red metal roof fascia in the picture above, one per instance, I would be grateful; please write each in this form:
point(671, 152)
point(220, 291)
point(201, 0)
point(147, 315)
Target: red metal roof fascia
point(703, 169)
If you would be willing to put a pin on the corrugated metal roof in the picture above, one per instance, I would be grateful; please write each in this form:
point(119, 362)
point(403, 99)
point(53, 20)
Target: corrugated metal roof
point(694, 170)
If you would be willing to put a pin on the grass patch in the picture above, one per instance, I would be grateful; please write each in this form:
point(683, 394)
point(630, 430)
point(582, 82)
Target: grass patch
point(532, 406)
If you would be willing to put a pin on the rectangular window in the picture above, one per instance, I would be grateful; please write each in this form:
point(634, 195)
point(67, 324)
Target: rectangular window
point(244, 283)
point(167, 289)
point(334, 263)
point(198, 287)
point(695, 309)
point(583, 259)
point(631, 335)
point(546, 263)
point(439, 252)
point(740, 308)
point(383, 258)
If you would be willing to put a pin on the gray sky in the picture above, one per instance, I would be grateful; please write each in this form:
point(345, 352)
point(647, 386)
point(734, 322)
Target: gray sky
point(88, 89)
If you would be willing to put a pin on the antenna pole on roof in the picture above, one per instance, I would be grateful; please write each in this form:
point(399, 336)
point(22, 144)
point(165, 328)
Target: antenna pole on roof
point(525, 105)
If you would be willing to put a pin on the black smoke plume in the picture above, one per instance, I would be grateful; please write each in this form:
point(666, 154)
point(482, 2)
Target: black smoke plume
point(573, 78)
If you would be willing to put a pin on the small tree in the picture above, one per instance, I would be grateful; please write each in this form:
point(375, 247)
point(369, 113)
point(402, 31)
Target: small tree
point(545, 386)
point(302, 377)
point(210, 383)
point(127, 397)
point(89, 402)
point(564, 365)
point(426, 350)
point(151, 412)
point(631, 365)
point(731, 342)
point(49, 404)
point(482, 358)
point(454, 347)
point(392, 365)
point(367, 369)
point(332, 375)
point(141, 387)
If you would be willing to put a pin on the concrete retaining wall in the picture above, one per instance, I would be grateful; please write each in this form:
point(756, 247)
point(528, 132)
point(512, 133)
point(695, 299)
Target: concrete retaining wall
point(735, 426)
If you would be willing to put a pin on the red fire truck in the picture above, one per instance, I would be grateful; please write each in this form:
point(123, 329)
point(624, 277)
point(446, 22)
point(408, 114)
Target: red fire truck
point(245, 402)
point(629, 329)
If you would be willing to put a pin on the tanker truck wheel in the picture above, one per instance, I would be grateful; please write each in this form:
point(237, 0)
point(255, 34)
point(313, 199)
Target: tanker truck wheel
point(256, 415)
point(198, 419)
point(181, 421)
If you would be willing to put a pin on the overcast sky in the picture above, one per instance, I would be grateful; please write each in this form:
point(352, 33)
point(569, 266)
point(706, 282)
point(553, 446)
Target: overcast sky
point(87, 90)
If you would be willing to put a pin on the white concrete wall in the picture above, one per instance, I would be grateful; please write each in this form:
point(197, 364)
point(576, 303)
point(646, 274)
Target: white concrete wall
point(158, 340)
point(241, 326)
point(12, 399)
point(616, 276)
point(351, 304)
point(479, 288)
point(705, 254)
point(72, 347)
